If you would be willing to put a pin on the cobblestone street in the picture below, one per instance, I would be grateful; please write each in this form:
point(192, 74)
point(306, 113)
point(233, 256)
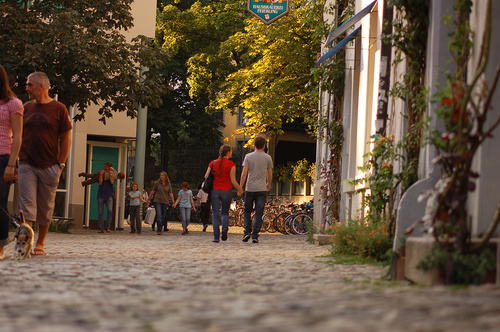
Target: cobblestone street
point(129, 282)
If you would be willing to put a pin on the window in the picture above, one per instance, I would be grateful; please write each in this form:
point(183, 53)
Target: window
point(220, 115)
point(242, 120)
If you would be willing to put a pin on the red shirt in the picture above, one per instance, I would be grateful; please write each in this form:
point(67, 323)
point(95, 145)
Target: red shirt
point(222, 181)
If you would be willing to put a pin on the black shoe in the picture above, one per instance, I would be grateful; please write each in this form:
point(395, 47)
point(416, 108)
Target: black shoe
point(215, 241)
point(224, 236)
point(205, 228)
point(165, 229)
point(246, 238)
point(132, 232)
point(159, 233)
point(255, 240)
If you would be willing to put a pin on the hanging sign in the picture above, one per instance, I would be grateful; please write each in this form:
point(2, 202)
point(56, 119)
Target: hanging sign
point(268, 11)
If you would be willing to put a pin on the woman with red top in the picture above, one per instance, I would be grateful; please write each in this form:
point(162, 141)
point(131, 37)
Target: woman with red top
point(221, 194)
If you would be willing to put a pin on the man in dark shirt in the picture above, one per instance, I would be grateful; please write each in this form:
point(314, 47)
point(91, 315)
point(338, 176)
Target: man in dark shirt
point(44, 150)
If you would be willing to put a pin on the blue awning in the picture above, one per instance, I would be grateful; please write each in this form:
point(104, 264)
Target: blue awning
point(353, 20)
point(334, 50)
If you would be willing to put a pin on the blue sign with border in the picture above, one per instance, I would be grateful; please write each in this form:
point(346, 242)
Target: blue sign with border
point(268, 11)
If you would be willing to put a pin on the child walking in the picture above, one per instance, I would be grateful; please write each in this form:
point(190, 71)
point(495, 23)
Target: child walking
point(136, 201)
point(186, 204)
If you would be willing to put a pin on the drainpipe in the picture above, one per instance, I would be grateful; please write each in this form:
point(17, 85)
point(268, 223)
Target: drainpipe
point(385, 65)
point(140, 143)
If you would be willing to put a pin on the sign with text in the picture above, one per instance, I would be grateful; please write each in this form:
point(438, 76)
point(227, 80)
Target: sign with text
point(268, 11)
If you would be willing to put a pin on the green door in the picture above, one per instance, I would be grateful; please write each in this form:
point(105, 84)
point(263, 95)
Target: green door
point(100, 155)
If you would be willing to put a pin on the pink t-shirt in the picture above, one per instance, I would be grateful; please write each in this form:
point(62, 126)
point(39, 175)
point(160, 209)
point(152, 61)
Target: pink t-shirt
point(7, 109)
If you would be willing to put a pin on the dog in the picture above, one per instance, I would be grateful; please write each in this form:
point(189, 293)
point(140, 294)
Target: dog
point(23, 240)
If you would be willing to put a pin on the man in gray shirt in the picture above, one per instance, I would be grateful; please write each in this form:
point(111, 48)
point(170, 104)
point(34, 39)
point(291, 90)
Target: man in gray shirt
point(258, 174)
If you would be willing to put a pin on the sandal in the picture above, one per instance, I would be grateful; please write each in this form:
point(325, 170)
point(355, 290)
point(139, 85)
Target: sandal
point(38, 252)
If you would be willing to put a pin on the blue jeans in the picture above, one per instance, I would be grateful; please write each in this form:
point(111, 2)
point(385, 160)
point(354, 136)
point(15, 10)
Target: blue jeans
point(185, 216)
point(161, 212)
point(4, 196)
point(221, 201)
point(259, 197)
point(100, 209)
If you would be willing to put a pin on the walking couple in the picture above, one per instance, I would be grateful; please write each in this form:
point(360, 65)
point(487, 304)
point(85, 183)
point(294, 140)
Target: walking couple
point(256, 173)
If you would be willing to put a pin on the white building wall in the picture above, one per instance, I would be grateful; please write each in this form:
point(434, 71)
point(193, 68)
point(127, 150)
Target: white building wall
point(484, 201)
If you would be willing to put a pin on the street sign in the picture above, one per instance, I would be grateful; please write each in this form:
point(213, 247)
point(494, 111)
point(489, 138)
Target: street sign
point(268, 11)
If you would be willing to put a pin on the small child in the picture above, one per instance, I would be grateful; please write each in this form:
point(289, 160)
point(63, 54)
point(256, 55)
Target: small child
point(186, 204)
point(93, 178)
point(135, 208)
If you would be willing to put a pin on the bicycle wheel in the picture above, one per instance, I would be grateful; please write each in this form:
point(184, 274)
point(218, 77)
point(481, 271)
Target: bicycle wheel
point(241, 219)
point(232, 217)
point(279, 222)
point(267, 222)
point(300, 223)
point(288, 225)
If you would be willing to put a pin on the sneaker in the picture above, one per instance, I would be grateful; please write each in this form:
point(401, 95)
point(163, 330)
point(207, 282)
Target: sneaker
point(246, 238)
point(224, 236)
point(205, 228)
point(215, 241)
point(159, 233)
point(255, 240)
point(183, 233)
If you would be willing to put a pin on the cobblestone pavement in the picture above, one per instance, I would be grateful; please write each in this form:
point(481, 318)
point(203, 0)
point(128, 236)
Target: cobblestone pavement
point(130, 282)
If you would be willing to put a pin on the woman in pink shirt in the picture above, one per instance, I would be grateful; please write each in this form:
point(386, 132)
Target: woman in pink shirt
point(11, 129)
point(221, 194)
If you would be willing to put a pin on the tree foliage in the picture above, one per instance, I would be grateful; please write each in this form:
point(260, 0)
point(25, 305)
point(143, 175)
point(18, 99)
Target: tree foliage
point(79, 44)
point(238, 61)
point(181, 121)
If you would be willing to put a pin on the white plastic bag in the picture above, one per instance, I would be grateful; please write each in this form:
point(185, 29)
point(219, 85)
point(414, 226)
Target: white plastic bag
point(150, 215)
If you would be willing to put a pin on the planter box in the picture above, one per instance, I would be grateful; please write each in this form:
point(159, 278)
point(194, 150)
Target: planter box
point(416, 249)
point(322, 239)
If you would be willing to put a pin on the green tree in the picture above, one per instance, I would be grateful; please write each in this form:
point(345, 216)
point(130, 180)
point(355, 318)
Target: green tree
point(181, 121)
point(79, 44)
point(200, 29)
point(238, 61)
